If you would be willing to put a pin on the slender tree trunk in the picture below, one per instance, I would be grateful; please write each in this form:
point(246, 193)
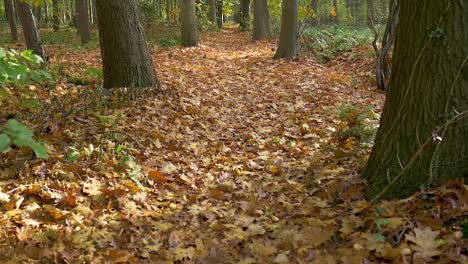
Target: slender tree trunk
point(314, 7)
point(212, 13)
point(289, 45)
point(219, 13)
point(383, 67)
point(422, 139)
point(10, 15)
point(31, 34)
point(189, 30)
point(261, 28)
point(125, 56)
point(82, 20)
point(335, 6)
point(93, 10)
point(244, 20)
point(56, 15)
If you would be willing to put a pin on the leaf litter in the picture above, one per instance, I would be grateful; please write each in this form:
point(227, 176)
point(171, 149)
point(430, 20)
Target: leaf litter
point(236, 164)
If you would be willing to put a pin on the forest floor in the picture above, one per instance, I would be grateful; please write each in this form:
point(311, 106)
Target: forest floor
point(238, 161)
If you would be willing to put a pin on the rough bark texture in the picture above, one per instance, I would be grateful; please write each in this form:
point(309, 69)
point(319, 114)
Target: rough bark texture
point(125, 55)
point(55, 15)
point(288, 45)
point(383, 66)
point(427, 91)
point(212, 13)
point(261, 28)
point(189, 30)
point(10, 15)
point(30, 32)
point(82, 20)
point(244, 19)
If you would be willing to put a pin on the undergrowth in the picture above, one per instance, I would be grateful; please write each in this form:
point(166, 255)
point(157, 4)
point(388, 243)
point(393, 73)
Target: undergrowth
point(325, 43)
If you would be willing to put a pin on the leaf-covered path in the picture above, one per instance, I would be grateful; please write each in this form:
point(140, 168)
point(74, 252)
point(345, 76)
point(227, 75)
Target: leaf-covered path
point(238, 165)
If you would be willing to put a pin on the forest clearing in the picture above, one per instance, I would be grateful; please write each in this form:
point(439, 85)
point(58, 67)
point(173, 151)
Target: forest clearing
point(232, 157)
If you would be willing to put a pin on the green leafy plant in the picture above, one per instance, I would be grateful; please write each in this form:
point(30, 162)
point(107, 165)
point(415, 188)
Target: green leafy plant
point(21, 67)
point(15, 133)
point(355, 126)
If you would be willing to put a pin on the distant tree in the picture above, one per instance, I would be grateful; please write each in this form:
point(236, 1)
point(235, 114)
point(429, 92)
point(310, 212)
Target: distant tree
point(125, 56)
point(422, 139)
point(244, 12)
point(30, 32)
point(288, 44)
point(10, 15)
point(82, 20)
point(261, 27)
point(219, 13)
point(55, 15)
point(212, 14)
point(189, 32)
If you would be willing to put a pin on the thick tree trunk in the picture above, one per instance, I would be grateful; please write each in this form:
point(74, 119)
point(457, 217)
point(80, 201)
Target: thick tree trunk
point(244, 19)
point(261, 28)
point(212, 13)
point(82, 20)
point(189, 30)
point(10, 15)
point(422, 140)
point(125, 55)
point(288, 45)
point(30, 32)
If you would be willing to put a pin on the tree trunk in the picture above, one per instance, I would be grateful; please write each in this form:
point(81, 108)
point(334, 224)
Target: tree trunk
point(10, 15)
point(30, 32)
point(82, 20)
point(314, 7)
point(93, 11)
point(189, 30)
point(383, 66)
point(212, 13)
point(244, 20)
point(422, 139)
point(335, 6)
point(125, 56)
point(261, 28)
point(219, 13)
point(56, 15)
point(288, 45)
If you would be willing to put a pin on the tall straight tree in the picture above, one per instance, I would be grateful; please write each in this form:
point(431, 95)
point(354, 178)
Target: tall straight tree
point(56, 15)
point(261, 27)
point(422, 139)
point(125, 56)
point(189, 30)
point(10, 15)
point(244, 13)
point(82, 20)
point(30, 32)
point(212, 13)
point(220, 13)
point(288, 45)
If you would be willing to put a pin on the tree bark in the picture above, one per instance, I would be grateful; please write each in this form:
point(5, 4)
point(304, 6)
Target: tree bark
point(10, 15)
point(261, 28)
point(56, 15)
point(189, 30)
point(30, 32)
point(288, 45)
point(125, 55)
point(244, 20)
point(93, 11)
point(219, 13)
point(422, 140)
point(82, 21)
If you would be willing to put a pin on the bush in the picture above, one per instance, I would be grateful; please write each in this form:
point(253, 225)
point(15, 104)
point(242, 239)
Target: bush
point(356, 126)
point(327, 42)
point(21, 67)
